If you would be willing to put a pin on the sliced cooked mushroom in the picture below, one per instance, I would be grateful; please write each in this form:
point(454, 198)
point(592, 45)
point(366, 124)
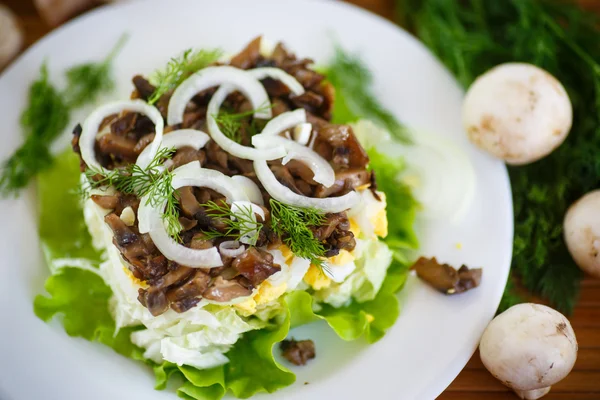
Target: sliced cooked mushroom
point(144, 88)
point(188, 202)
point(186, 155)
point(108, 202)
point(298, 352)
point(222, 290)
point(248, 57)
point(255, 265)
point(445, 278)
point(345, 181)
point(143, 142)
point(192, 287)
point(124, 124)
point(117, 145)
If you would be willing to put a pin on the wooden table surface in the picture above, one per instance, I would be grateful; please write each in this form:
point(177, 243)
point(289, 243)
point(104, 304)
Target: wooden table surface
point(474, 382)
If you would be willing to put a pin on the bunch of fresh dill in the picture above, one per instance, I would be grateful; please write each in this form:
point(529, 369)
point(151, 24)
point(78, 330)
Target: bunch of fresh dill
point(47, 116)
point(472, 36)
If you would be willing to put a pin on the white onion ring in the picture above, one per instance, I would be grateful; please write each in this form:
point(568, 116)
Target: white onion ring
point(250, 188)
point(229, 145)
point(177, 139)
point(215, 76)
point(190, 174)
point(181, 138)
point(322, 170)
point(231, 248)
point(241, 208)
point(87, 140)
point(285, 195)
point(282, 122)
point(278, 74)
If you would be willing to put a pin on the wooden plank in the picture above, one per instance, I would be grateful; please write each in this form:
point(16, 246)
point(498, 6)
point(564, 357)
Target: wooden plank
point(589, 296)
point(585, 317)
point(448, 395)
point(588, 338)
point(587, 359)
point(477, 380)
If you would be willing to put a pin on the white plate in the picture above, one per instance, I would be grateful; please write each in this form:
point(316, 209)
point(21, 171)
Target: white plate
point(435, 335)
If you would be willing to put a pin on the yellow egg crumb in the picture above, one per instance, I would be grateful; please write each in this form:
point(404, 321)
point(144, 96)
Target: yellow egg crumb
point(363, 187)
point(459, 245)
point(344, 257)
point(381, 223)
point(316, 278)
point(354, 228)
point(379, 220)
point(287, 253)
point(266, 293)
point(370, 318)
point(246, 307)
point(134, 279)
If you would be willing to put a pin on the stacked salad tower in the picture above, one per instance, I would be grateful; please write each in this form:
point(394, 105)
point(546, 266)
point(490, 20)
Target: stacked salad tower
point(223, 209)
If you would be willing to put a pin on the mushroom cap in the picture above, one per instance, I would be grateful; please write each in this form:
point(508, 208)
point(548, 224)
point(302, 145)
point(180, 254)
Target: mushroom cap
point(529, 346)
point(517, 112)
point(582, 232)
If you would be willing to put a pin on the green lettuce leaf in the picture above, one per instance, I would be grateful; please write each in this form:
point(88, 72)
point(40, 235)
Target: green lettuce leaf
point(62, 229)
point(401, 205)
point(81, 298)
point(252, 368)
point(370, 319)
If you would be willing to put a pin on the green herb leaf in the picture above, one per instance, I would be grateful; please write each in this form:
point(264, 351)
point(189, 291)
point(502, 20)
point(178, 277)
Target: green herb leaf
point(354, 96)
point(152, 181)
point(72, 240)
point(239, 225)
point(178, 69)
point(473, 36)
point(45, 118)
point(231, 123)
point(86, 82)
point(293, 225)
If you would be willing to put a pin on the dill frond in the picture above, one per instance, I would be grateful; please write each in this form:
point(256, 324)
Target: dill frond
point(242, 224)
point(180, 68)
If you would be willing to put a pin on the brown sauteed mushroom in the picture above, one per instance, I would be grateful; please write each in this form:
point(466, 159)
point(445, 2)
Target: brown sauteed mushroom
point(124, 136)
point(445, 278)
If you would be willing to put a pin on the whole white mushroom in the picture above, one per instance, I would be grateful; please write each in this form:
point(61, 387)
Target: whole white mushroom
point(582, 232)
point(517, 112)
point(529, 348)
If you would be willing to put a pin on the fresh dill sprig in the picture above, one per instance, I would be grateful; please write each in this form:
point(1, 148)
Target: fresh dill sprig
point(470, 37)
point(153, 182)
point(231, 123)
point(178, 69)
point(47, 116)
point(293, 225)
point(242, 224)
point(354, 97)
point(87, 81)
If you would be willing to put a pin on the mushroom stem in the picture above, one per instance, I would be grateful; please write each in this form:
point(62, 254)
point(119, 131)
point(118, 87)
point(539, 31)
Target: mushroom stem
point(533, 394)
